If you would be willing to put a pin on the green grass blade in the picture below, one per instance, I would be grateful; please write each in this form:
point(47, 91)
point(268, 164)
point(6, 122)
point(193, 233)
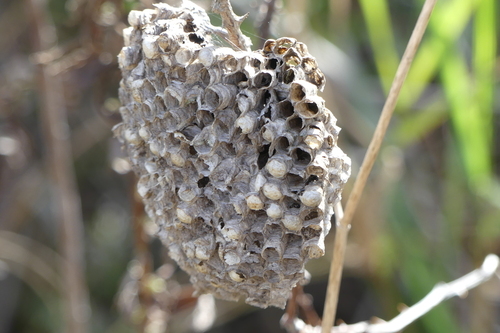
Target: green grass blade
point(471, 129)
point(378, 23)
point(447, 24)
point(413, 127)
point(484, 58)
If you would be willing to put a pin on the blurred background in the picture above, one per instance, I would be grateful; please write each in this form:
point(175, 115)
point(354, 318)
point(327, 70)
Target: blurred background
point(68, 212)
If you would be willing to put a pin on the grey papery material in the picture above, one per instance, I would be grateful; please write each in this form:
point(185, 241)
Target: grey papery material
point(235, 152)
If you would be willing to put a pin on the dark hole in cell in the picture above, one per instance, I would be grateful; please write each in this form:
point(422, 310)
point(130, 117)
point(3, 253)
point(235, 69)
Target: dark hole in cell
point(264, 99)
point(312, 107)
point(190, 26)
point(205, 76)
point(203, 182)
point(289, 76)
point(311, 233)
point(291, 203)
point(268, 113)
point(263, 80)
point(212, 98)
point(272, 63)
point(295, 123)
point(302, 156)
point(267, 96)
point(312, 215)
point(195, 38)
point(237, 78)
point(256, 63)
point(286, 109)
point(294, 181)
point(282, 143)
point(293, 240)
point(297, 93)
point(222, 224)
point(257, 243)
point(192, 150)
point(263, 157)
point(311, 179)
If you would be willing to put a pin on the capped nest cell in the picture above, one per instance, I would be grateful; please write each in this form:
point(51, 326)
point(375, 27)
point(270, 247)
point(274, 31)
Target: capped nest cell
point(236, 153)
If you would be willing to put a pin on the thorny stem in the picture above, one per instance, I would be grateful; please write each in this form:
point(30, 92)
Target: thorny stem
point(373, 149)
point(66, 197)
point(231, 22)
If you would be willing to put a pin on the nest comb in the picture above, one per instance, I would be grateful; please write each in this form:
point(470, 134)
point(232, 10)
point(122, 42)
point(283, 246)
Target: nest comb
point(236, 153)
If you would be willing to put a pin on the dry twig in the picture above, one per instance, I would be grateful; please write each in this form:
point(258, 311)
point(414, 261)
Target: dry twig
point(66, 196)
point(143, 255)
point(231, 22)
point(267, 8)
point(440, 293)
point(343, 224)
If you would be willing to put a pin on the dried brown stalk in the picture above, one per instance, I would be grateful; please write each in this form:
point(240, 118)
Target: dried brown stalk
point(231, 22)
point(143, 255)
point(59, 162)
point(268, 8)
point(343, 224)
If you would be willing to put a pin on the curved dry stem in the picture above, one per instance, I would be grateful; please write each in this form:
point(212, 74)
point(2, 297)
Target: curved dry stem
point(343, 224)
point(440, 293)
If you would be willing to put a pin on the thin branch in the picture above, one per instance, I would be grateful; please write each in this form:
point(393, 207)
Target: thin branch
point(440, 293)
point(143, 255)
point(231, 22)
point(60, 164)
point(267, 8)
point(343, 225)
point(288, 318)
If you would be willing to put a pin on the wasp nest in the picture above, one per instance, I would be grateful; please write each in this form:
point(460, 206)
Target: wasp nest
point(237, 154)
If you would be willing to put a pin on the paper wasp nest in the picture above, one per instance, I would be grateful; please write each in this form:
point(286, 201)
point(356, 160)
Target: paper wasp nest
point(236, 153)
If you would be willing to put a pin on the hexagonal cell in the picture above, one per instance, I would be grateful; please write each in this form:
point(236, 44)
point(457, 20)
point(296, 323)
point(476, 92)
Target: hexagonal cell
point(269, 46)
point(292, 58)
point(301, 156)
point(308, 108)
point(236, 78)
point(309, 64)
point(295, 124)
point(273, 63)
point(263, 79)
point(283, 45)
point(285, 109)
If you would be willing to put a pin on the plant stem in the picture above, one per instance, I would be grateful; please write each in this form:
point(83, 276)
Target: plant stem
point(231, 22)
point(343, 224)
point(66, 199)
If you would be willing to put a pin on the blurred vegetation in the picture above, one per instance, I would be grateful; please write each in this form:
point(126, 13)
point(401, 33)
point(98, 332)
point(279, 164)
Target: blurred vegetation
point(431, 211)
